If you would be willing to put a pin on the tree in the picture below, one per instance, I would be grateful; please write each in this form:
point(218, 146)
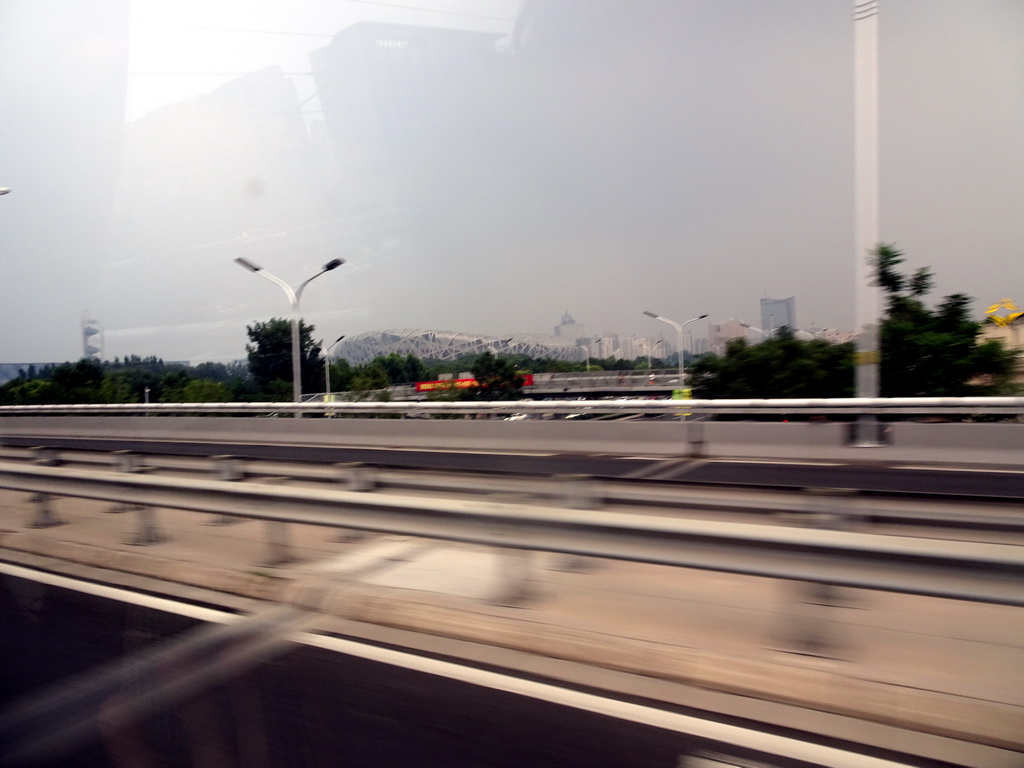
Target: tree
point(780, 366)
point(497, 379)
point(341, 375)
point(270, 357)
point(370, 377)
point(200, 391)
point(78, 382)
point(932, 352)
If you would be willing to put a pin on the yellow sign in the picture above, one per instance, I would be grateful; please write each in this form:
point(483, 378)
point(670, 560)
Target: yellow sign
point(685, 393)
point(867, 357)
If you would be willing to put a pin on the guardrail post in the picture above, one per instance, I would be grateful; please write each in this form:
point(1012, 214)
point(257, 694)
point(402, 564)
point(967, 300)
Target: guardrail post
point(148, 531)
point(228, 469)
point(358, 478)
point(279, 549)
point(124, 461)
point(354, 476)
point(515, 568)
point(694, 437)
point(811, 627)
point(577, 492)
point(45, 516)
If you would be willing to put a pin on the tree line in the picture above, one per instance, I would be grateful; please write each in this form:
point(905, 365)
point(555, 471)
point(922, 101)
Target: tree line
point(925, 351)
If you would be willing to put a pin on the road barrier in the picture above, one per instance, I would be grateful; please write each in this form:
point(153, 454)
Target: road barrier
point(990, 573)
point(879, 406)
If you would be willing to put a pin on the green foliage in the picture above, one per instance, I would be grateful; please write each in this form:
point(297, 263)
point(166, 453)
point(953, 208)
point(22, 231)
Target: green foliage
point(402, 370)
point(126, 381)
point(341, 375)
point(781, 366)
point(933, 352)
point(370, 377)
point(497, 379)
point(28, 392)
point(198, 391)
point(270, 357)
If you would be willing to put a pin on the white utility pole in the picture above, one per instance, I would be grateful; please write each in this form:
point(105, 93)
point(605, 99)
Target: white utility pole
point(866, 293)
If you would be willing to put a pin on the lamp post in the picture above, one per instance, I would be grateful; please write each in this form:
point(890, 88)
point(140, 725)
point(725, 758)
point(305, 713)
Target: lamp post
point(765, 334)
point(327, 364)
point(4, 190)
point(802, 335)
point(587, 349)
point(294, 296)
point(493, 348)
point(679, 330)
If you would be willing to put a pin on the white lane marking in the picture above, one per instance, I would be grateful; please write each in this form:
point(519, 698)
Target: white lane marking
point(478, 451)
point(124, 595)
point(785, 463)
point(588, 702)
point(961, 469)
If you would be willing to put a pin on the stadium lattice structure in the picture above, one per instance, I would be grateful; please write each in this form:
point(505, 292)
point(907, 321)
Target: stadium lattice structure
point(361, 348)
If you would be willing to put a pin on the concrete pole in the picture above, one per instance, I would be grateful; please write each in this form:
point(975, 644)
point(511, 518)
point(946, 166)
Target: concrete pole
point(866, 293)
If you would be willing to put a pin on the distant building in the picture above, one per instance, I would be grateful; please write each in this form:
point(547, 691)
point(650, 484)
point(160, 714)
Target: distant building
point(776, 313)
point(721, 333)
point(1012, 338)
point(570, 330)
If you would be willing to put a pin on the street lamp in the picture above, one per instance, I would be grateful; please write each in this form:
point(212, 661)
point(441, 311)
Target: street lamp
point(493, 349)
point(294, 295)
point(4, 190)
point(679, 330)
point(587, 349)
point(586, 352)
point(802, 335)
point(764, 333)
point(327, 364)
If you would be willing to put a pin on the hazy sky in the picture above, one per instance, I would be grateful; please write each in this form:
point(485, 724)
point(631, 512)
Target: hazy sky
point(683, 156)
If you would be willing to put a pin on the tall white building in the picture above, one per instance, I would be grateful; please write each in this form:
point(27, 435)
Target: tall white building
point(570, 330)
point(776, 313)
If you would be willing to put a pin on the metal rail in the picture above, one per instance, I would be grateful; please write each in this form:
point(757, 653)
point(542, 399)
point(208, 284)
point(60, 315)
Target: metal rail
point(845, 508)
point(991, 573)
point(805, 406)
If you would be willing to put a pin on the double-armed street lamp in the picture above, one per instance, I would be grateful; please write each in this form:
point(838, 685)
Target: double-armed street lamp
point(679, 330)
point(294, 295)
point(764, 334)
point(802, 335)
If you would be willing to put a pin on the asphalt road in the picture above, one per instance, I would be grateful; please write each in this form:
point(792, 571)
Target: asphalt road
point(974, 483)
point(314, 707)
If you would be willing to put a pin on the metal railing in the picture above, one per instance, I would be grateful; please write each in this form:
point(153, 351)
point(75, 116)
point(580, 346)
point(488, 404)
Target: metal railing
point(879, 406)
point(982, 572)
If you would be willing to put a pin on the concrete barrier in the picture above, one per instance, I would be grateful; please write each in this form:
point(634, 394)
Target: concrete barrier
point(956, 443)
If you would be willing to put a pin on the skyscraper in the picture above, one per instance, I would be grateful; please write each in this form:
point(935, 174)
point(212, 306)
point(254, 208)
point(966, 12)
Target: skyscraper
point(776, 313)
